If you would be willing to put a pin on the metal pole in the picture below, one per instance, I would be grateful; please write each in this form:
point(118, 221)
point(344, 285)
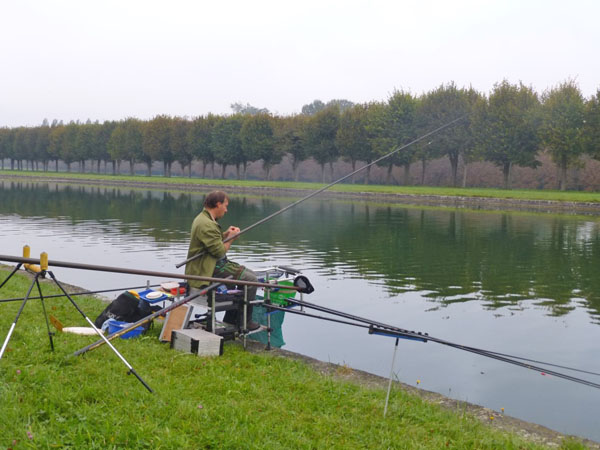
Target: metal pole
point(268, 303)
point(73, 294)
point(150, 273)
point(17, 267)
point(99, 333)
point(50, 333)
point(213, 312)
point(14, 324)
point(245, 315)
point(387, 397)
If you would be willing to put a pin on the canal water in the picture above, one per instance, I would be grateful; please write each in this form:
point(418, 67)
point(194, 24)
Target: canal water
point(517, 283)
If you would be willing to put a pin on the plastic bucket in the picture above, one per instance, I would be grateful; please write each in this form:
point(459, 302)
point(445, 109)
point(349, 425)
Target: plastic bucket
point(115, 325)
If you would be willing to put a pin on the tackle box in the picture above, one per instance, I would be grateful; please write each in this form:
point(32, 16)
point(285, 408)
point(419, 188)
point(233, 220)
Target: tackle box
point(197, 342)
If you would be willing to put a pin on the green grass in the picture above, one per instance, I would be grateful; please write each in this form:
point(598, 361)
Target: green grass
point(520, 194)
point(238, 400)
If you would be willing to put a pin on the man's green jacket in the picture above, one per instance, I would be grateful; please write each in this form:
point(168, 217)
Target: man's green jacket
point(206, 237)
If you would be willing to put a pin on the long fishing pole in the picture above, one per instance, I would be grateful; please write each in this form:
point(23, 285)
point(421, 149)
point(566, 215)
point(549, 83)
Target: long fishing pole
point(80, 293)
point(418, 335)
point(312, 194)
point(150, 273)
point(399, 332)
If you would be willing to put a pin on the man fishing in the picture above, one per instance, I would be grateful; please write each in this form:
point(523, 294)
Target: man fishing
point(207, 239)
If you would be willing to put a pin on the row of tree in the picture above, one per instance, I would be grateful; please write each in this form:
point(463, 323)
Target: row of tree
point(508, 127)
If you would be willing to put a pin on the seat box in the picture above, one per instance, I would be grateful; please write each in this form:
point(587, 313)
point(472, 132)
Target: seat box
point(197, 341)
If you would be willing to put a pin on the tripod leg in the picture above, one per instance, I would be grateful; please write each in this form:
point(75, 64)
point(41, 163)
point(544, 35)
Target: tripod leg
point(14, 324)
point(17, 267)
point(45, 315)
point(131, 369)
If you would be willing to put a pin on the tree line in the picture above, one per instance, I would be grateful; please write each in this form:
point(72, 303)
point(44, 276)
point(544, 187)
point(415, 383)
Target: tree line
point(509, 127)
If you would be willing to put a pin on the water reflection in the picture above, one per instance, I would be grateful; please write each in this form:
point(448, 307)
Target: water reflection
point(499, 259)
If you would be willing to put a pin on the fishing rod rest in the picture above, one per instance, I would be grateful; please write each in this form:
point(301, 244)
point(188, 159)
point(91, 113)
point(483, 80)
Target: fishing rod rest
point(398, 334)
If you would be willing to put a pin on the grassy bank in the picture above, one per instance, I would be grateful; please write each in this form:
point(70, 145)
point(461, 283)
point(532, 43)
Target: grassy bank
point(238, 400)
point(175, 182)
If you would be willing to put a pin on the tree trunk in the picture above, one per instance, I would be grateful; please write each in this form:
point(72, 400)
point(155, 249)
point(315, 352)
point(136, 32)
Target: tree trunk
point(407, 174)
point(56, 165)
point(388, 176)
point(237, 171)
point(368, 176)
point(506, 168)
point(190, 170)
point(212, 168)
point(423, 167)
point(82, 166)
point(454, 164)
point(244, 167)
point(353, 162)
point(295, 167)
point(465, 174)
point(203, 169)
point(563, 174)
point(68, 167)
point(331, 169)
point(119, 167)
point(267, 171)
point(149, 164)
point(223, 167)
point(114, 167)
point(322, 173)
point(131, 167)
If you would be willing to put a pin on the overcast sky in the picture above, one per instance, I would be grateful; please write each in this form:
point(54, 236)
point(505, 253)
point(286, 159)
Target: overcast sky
point(105, 60)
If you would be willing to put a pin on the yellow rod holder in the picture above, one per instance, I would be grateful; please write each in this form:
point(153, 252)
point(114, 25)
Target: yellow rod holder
point(26, 254)
point(44, 260)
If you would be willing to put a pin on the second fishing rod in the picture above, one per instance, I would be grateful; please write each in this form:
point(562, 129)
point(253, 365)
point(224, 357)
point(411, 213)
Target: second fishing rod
point(379, 328)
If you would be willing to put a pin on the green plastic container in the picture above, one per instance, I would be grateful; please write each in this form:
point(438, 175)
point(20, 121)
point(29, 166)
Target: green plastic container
point(281, 296)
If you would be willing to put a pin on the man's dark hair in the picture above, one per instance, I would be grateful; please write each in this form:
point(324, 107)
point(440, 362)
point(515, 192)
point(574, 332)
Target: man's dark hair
point(215, 197)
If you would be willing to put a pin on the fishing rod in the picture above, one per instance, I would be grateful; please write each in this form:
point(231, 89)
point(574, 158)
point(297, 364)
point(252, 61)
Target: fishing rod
point(392, 331)
point(150, 273)
point(80, 293)
point(312, 194)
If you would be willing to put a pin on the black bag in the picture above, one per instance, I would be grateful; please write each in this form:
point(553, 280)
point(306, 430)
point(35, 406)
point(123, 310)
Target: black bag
point(126, 308)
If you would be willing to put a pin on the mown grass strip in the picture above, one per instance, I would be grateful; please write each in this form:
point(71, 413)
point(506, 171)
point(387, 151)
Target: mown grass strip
point(517, 194)
point(238, 400)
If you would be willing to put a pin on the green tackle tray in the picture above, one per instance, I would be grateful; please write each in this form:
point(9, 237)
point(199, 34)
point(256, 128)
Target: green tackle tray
point(281, 296)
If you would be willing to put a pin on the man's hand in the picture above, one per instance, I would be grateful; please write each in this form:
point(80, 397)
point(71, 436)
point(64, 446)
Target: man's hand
point(231, 231)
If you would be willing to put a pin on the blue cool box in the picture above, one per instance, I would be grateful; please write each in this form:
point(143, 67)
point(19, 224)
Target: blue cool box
point(115, 325)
